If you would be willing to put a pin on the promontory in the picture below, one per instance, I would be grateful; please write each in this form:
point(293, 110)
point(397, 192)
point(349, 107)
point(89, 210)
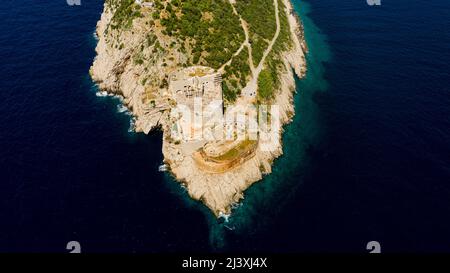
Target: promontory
point(215, 76)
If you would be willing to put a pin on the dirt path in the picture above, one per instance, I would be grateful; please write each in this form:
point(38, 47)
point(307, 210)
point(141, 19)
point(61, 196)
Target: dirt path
point(246, 42)
point(249, 91)
point(275, 37)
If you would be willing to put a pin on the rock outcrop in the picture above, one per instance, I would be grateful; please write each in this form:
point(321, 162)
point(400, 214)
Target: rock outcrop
point(116, 70)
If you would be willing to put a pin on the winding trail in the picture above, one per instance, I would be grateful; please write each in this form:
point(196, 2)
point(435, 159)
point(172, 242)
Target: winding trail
point(246, 42)
point(249, 90)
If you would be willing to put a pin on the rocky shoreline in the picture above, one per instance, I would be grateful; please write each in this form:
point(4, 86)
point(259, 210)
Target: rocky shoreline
point(113, 71)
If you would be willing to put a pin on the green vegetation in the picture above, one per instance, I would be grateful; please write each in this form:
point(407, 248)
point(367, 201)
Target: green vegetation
point(125, 12)
point(228, 93)
point(258, 47)
point(150, 39)
point(138, 59)
point(284, 40)
point(212, 30)
point(240, 150)
point(209, 33)
point(269, 81)
point(236, 75)
point(260, 16)
point(265, 84)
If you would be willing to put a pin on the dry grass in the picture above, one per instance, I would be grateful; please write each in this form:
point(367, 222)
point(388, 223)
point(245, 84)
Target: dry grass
point(240, 150)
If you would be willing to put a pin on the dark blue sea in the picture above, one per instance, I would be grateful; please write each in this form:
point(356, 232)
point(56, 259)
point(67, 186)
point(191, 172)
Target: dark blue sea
point(367, 157)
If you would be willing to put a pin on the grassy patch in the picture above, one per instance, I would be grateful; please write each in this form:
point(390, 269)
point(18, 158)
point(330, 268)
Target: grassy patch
point(125, 11)
point(236, 75)
point(240, 150)
point(213, 31)
point(265, 84)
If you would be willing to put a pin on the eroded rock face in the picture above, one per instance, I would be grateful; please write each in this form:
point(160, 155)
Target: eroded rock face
point(145, 88)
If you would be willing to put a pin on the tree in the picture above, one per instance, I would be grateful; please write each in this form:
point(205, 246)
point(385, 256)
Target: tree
point(265, 84)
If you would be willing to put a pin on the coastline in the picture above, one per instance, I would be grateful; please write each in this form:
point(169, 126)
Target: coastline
point(219, 191)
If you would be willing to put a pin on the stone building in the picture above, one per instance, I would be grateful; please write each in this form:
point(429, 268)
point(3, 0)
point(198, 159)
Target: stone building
point(191, 86)
point(196, 82)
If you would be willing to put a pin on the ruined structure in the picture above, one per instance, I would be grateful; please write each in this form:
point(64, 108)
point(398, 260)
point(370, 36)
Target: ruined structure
point(197, 91)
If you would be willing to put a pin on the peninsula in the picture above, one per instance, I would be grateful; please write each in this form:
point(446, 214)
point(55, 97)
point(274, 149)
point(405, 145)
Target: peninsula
point(215, 76)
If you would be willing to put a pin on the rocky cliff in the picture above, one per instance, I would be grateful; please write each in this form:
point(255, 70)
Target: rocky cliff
point(140, 46)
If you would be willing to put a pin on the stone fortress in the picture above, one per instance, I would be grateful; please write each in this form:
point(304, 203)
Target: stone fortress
point(198, 90)
point(196, 82)
point(214, 172)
